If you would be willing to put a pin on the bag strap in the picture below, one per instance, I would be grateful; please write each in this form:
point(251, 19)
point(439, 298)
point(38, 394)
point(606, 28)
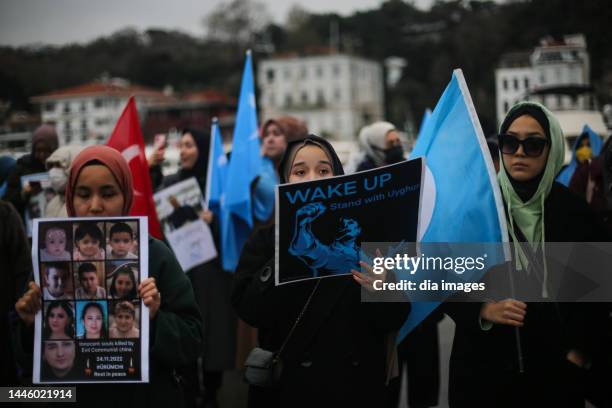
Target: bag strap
point(298, 318)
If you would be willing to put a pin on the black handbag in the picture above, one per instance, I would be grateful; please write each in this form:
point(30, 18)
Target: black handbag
point(263, 368)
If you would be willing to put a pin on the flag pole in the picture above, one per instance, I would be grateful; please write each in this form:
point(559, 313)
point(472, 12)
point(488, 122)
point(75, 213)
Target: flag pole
point(517, 330)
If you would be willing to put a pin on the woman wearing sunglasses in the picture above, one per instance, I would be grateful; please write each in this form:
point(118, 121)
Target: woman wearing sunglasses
point(484, 367)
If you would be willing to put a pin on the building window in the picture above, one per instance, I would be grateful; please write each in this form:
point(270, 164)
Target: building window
point(304, 97)
point(526, 82)
point(84, 125)
point(505, 84)
point(516, 84)
point(49, 107)
point(270, 75)
point(83, 106)
point(288, 100)
point(98, 103)
point(320, 98)
point(67, 107)
point(506, 107)
point(67, 132)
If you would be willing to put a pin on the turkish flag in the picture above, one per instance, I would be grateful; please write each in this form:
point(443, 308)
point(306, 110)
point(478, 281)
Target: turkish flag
point(127, 139)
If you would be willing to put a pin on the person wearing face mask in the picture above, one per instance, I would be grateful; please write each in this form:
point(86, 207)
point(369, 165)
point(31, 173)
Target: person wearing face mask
point(556, 339)
point(588, 145)
point(336, 352)
point(44, 142)
point(418, 353)
point(382, 145)
point(58, 165)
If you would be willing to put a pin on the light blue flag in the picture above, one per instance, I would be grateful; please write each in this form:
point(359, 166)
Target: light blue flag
point(217, 171)
point(565, 176)
point(462, 202)
point(245, 164)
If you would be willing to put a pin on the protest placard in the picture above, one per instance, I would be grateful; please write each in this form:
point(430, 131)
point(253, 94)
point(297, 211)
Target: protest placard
point(178, 208)
point(321, 224)
point(92, 326)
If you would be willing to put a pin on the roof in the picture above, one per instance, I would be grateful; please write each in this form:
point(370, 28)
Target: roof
point(209, 95)
point(116, 88)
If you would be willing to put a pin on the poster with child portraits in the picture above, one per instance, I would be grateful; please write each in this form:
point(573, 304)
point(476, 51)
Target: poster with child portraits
point(92, 326)
point(178, 208)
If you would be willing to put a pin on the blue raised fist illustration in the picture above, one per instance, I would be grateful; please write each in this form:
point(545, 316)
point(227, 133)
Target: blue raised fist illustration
point(339, 257)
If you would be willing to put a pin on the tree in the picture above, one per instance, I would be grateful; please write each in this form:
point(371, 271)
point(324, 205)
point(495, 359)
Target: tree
point(237, 22)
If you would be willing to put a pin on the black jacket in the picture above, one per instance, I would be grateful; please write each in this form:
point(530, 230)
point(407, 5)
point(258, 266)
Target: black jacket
point(25, 165)
point(484, 364)
point(336, 355)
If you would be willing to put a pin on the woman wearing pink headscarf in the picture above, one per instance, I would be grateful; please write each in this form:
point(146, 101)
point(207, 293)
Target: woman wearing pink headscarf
point(100, 185)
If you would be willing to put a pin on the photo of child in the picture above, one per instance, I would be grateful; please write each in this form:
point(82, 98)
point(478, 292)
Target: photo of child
point(88, 241)
point(89, 275)
point(123, 281)
point(121, 242)
point(55, 242)
point(57, 281)
point(124, 320)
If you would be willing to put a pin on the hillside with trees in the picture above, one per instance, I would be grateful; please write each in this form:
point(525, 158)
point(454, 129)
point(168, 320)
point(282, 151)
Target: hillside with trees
point(471, 35)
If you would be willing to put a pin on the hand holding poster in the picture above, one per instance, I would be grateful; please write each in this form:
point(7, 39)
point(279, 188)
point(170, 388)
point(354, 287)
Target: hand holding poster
point(41, 193)
point(178, 208)
point(92, 326)
point(321, 224)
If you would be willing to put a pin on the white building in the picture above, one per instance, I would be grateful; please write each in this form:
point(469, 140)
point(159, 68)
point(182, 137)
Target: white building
point(547, 75)
point(87, 113)
point(513, 80)
point(334, 94)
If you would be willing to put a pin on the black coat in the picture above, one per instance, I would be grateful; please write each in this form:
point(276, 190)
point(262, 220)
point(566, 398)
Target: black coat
point(212, 287)
point(25, 165)
point(336, 355)
point(484, 364)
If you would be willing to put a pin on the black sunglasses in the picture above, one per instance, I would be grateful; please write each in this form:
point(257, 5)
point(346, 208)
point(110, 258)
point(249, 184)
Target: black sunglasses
point(532, 146)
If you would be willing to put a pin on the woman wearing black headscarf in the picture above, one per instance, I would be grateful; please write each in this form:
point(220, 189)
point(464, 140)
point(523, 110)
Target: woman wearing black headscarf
point(336, 355)
point(211, 284)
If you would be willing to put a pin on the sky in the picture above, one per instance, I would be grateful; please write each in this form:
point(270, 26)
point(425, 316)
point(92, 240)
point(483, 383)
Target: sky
point(57, 22)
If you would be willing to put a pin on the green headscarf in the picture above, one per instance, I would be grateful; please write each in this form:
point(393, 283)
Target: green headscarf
point(529, 216)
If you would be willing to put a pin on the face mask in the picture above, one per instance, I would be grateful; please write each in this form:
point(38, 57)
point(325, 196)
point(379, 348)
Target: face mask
point(394, 154)
point(583, 154)
point(58, 179)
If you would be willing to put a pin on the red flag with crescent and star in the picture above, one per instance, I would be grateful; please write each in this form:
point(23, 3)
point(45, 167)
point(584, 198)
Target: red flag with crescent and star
point(127, 139)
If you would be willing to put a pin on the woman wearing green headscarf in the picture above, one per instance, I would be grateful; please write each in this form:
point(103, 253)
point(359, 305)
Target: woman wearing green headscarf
point(484, 367)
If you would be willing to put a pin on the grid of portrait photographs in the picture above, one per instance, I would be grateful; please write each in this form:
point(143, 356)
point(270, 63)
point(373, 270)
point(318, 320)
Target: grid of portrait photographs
point(91, 314)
